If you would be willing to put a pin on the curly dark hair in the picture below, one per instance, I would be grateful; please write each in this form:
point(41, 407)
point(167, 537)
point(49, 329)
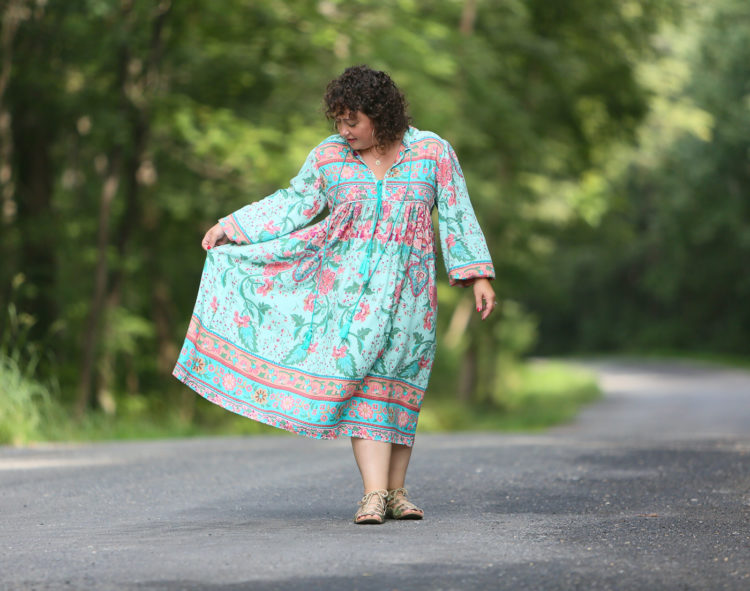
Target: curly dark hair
point(360, 88)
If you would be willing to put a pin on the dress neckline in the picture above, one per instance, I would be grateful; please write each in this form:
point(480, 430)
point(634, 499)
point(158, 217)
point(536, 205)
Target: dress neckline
point(403, 148)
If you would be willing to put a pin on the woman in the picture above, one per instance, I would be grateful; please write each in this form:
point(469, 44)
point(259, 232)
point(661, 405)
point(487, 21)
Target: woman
point(329, 329)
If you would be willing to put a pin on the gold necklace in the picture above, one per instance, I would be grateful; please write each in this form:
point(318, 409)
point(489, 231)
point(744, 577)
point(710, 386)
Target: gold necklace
point(378, 161)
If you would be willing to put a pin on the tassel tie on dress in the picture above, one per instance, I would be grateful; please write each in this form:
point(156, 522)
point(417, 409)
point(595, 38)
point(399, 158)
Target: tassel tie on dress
point(364, 267)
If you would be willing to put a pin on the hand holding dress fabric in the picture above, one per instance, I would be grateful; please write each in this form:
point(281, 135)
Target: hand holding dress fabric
point(214, 237)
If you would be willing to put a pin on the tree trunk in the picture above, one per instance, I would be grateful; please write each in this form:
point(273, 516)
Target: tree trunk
point(32, 139)
point(468, 17)
point(104, 300)
point(92, 333)
point(140, 126)
point(25, 137)
point(14, 13)
point(467, 378)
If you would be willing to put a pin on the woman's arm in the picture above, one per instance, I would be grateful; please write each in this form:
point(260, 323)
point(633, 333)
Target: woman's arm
point(464, 247)
point(277, 214)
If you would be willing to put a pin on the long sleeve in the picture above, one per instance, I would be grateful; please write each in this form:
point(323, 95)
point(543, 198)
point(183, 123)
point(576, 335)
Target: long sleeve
point(281, 212)
point(464, 247)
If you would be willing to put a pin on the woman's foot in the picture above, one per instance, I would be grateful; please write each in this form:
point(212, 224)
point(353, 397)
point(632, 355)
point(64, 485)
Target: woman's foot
point(372, 507)
point(399, 507)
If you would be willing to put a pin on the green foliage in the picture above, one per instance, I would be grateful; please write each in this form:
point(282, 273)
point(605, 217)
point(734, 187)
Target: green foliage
point(664, 265)
point(24, 404)
point(27, 405)
point(545, 394)
point(604, 146)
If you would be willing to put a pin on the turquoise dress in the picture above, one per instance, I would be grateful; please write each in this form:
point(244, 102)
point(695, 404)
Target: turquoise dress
point(329, 329)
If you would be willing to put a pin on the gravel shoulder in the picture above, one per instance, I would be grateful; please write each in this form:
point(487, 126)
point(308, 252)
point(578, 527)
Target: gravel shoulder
point(647, 489)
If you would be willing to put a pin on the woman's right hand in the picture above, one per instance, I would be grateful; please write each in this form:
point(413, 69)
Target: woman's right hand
point(214, 237)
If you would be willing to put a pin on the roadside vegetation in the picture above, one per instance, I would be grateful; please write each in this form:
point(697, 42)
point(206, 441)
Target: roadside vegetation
point(604, 144)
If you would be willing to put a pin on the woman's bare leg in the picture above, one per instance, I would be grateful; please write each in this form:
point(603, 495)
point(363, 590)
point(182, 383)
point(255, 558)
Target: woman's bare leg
point(373, 460)
point(400, 455)
point(399, 505)
point(381, 464)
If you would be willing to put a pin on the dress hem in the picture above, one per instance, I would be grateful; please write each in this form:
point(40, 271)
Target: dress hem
point(342, 429)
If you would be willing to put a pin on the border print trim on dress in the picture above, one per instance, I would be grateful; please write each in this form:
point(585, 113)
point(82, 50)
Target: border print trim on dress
point(471, 271)
point(296, 381)
point(344, 428)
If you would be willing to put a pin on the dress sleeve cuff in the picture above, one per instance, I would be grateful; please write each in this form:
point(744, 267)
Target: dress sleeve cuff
point(470, 271)
point(233, 230)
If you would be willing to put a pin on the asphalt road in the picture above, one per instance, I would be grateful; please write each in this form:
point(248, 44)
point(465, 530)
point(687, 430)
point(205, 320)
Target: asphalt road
point(649, 489)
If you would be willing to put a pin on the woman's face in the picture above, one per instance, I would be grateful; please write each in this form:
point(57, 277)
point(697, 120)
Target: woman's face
point(357, 129)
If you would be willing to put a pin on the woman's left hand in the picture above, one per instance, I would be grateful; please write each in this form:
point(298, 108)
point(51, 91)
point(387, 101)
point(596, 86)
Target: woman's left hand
point(484, 296)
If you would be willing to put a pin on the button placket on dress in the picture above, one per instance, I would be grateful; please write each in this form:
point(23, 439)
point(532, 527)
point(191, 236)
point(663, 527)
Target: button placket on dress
point(364, 267)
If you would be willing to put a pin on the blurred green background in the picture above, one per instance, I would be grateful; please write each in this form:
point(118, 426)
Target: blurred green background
point(606, 146)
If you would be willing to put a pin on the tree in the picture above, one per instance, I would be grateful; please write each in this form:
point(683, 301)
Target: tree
point(163, 116)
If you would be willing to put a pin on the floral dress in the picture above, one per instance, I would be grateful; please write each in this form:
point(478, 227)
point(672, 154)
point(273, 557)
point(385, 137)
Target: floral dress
point(329, 329)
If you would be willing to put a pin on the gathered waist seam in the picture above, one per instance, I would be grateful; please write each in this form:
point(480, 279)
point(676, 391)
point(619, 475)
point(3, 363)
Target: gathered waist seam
point(375, 199)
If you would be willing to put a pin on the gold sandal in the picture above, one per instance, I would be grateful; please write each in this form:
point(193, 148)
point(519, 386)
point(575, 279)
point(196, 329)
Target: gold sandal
point(372, 507)
point(399, 507)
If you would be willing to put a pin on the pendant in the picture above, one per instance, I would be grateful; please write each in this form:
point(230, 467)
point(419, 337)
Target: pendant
point(377, 163)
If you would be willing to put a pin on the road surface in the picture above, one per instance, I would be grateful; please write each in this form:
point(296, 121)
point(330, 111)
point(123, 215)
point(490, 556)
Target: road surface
point(648, 489)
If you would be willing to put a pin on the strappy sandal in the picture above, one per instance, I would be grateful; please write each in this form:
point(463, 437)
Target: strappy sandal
point(372, 507)
point(399, 507)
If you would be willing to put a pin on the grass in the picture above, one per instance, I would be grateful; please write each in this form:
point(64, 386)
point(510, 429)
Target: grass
point(139, 418)
point(548, 393)
point(24, 404)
